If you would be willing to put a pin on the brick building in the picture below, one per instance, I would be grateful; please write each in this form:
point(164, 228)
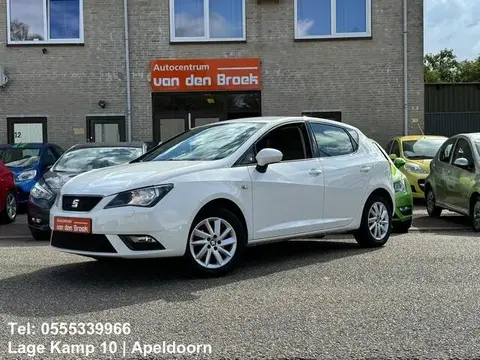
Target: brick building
point(196, 61)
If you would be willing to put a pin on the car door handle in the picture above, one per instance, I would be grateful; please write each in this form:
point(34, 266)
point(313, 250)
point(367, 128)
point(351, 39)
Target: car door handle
point(315, 172)
point(365, 168)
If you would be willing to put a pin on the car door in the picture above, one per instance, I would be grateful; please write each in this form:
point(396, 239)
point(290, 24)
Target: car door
point(461, 179)
point(440, 168)
point(4, 183)
point(395, 150)
point(288, 197)
point(346, 172)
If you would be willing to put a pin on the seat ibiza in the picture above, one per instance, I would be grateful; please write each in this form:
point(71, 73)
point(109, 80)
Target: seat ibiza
point(210, 192)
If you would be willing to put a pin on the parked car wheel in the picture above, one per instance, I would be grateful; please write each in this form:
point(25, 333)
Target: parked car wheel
point(9, 213)
point(216, 242)
point(402, 227)
point(475, 213)
point(432, 209)
point(40, 235)
point(376, 224)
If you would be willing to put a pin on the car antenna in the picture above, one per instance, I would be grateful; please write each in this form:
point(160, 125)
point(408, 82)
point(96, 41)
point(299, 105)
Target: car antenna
point(421, 130)
point(314, 106)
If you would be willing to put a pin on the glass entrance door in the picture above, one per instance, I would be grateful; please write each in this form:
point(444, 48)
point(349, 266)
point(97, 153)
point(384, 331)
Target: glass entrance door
point(27, 130)
point(168, 125)
point(106, 129)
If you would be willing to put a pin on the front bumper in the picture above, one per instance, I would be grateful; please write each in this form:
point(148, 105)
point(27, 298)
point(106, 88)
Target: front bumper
point(111, 230)
point(404, 207)
point(23, 189)
point(38, 214)
point(417, 184)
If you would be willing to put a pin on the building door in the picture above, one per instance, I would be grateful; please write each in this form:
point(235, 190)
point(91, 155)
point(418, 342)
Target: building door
point(27, 130)
point(204, 118)
point(106, 129)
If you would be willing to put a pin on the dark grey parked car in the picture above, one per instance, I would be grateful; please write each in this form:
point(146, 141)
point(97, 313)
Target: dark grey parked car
point(76, 160)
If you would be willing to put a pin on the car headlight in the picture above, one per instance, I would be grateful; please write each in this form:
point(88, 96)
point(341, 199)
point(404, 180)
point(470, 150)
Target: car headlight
point(143, 197)
point(414, 168)
point(399, 186)
point(26, 175)
point(41, 192)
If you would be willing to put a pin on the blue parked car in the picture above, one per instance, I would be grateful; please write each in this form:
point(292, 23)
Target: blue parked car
point(28, 162)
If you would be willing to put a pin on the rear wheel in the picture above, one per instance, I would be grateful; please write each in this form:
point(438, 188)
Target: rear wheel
point(475, 213)
point(9, 213)
point(432, 209)
point(376, 224)
point(216, 242)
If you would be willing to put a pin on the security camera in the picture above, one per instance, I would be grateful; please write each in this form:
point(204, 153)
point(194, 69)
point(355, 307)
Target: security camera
point(102, 104)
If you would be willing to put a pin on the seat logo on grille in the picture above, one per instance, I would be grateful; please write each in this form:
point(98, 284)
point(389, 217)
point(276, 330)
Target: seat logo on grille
point(75, 203)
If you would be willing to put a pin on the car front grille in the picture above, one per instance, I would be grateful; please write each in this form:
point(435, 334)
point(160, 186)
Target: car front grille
point(83, 242)
point(79, 203)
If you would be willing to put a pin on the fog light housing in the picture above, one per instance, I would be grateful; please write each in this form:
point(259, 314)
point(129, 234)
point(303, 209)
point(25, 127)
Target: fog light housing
point(141, 242)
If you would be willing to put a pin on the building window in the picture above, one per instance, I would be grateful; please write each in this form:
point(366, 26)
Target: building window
point(45, 21)
point(320, 19)
point(207, 20)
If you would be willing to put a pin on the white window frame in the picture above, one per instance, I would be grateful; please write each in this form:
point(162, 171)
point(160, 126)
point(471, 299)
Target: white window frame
point(206, 38)
point(46, 28)
point(333, 30)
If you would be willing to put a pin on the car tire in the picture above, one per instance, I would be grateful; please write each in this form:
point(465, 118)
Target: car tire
point(39, 235)
point(402, 227)
point(376, 224)
point(432, 209)
point(206, 246)
point(475, 213)
point(9, 213)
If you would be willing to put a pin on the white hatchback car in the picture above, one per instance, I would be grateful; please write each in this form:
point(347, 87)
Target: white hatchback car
point(208, 193)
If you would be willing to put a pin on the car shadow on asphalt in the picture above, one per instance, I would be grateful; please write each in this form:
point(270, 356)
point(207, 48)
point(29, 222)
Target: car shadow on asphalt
point(91, 286)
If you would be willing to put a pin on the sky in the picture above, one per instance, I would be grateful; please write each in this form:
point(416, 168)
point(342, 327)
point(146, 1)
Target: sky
point(452, 24)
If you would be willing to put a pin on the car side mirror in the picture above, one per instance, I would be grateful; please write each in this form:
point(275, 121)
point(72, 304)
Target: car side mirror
point(393, 157)
point(399, 162)
point(462, 163)
point(266, 157)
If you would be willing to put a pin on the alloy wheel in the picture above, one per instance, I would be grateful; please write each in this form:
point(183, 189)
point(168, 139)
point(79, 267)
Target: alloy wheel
point(378, 221)
point(11, 206)
point(213, 243)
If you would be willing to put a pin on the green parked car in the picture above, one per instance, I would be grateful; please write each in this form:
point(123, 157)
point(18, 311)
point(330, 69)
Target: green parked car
point(402, 220)
point(454, 180)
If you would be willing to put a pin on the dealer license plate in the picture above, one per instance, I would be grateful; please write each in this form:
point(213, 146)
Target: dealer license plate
point(74, 225)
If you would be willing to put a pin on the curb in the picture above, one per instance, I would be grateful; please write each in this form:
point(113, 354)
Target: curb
point(438, 228)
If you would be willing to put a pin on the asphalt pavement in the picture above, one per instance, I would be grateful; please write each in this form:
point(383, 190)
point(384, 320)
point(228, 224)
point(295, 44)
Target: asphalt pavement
point(417, 297)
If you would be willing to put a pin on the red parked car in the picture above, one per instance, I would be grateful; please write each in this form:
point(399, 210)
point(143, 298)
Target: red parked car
point(8, 195)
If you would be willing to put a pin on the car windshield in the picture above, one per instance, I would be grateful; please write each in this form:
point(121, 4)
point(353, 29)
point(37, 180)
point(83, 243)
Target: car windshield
point(205, 143)
point(422, 148)
point(20, 157)
point(85, 159)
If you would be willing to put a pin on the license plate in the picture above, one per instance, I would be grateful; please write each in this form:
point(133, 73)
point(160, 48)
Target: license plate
point(74, 225)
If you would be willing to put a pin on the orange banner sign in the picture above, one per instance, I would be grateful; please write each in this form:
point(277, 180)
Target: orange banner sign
point(205, 74)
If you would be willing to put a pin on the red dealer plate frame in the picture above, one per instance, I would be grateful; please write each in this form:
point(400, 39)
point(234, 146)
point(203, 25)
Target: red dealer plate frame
point(73, 225)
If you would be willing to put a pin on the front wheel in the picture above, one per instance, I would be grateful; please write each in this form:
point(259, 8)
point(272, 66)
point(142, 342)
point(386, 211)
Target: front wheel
point(475, 214)
point(376, 224)
point(9, 212)
point(402, 227)
point(216, 241)
point(432, 209)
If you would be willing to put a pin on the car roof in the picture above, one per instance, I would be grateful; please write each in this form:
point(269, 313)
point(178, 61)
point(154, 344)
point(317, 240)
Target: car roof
point(418, 137)
point(277, 120)
point(25, 145)
point(137, 144)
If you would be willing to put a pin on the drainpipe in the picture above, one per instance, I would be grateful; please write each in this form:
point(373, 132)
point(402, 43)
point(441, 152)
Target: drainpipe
point(127, 71)
point(405, 66)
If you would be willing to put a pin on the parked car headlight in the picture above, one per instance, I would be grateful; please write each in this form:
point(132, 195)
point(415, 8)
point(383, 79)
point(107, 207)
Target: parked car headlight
point(399, 186)
point(414, 168)
point(41, 192)
point(144, 197)
point(26, 175)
